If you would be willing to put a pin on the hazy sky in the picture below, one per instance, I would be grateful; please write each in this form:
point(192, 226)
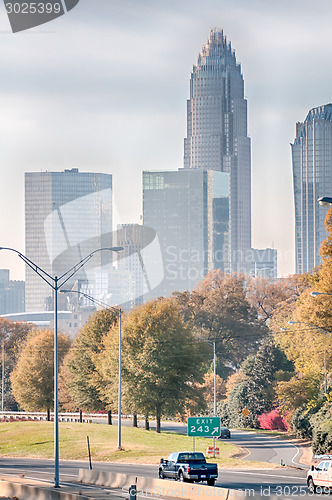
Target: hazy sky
point(104, 89)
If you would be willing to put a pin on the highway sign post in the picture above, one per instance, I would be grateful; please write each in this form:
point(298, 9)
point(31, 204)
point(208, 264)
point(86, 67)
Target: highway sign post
point(204, 427)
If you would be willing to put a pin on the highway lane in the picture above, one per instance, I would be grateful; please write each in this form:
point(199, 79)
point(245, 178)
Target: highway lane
point(281, 481)
point(259, 447)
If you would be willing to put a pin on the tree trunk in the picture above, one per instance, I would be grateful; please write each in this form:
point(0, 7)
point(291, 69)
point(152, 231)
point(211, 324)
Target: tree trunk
point(135, 420)
point(147, 425)
point(109, 417)
point(81, 416)
point(158, 417)
point(48, 415)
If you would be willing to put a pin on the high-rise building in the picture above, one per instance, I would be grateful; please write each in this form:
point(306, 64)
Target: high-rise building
point(67, 215)
point(11, 294)
point(263, 263)
point(312, 178)
point(189, 210)
point(131, 238)
point(217, 136)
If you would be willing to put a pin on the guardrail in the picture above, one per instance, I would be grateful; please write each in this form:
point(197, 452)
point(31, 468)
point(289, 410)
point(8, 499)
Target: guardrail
point(63, 417)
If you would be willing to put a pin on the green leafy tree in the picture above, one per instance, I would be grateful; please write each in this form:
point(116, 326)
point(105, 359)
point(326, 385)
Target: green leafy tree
point(13, 335)
point(256, 387)
point(162, 361)
point(33, 377)
point(78, 382)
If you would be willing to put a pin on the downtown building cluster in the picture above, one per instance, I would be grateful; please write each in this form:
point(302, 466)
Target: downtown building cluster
point(195, 219)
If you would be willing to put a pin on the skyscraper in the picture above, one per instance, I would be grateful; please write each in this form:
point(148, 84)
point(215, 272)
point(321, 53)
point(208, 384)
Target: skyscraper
point(67, 215)
point(217, 134)
point(312, 178)
point(189, 210)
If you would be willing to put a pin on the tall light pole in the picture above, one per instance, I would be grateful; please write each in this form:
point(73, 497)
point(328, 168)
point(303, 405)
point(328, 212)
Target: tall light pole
point(3, 376)
point(325, 332)
point(118, 311)
point(56, 283)
point(213, 344)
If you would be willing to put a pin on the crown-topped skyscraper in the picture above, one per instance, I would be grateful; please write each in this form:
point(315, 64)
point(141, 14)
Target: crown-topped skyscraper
point(217, 135)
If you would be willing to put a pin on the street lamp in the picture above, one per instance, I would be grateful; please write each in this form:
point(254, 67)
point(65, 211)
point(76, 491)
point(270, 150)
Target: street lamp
point(3, 376)
point(325, 201)
point(315, 294)
point(213, 344)
point(117, 311)
point(56, 283)
point(329, 334)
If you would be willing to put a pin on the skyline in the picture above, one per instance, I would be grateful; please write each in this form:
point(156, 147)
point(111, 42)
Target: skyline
point(104, 89)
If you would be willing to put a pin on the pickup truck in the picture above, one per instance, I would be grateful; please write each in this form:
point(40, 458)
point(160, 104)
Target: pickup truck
point(188, 466)
point(319, 478)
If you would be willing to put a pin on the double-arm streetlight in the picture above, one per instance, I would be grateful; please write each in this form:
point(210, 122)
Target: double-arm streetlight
point(118, 311)
point(56, 283)
point(325, 332)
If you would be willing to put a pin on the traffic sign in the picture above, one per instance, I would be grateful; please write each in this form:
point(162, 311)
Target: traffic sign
point(204, 426)
point(245, 412)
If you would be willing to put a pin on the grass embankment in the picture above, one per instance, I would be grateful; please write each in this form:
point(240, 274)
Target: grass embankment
point(35, 440)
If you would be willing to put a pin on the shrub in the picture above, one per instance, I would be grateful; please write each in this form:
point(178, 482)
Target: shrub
point(272, 421)
point(322, 430)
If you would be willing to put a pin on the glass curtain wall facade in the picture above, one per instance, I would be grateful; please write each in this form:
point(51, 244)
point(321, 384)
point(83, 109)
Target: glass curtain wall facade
point(312, 178)
point(67, 215)
point(217, 136)
point(189, 210)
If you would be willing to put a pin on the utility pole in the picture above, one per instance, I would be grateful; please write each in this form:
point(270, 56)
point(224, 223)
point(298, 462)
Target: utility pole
point(3, 376)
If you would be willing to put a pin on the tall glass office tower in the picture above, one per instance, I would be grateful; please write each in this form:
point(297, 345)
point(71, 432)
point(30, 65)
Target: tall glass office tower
point(312, 178)
point(217, 134)
point(189, 210)
point(67, 215)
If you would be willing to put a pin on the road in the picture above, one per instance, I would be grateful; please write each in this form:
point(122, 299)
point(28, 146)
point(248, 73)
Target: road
point(286, 481)
point(290, 482)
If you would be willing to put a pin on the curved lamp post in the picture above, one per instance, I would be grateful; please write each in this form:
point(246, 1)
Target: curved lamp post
point(329, 334)
point(56, 283)
point(325, 201)
point(118, 311)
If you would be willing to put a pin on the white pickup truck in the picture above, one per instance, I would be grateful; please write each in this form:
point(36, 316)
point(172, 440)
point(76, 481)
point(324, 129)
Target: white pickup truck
point(319, 478)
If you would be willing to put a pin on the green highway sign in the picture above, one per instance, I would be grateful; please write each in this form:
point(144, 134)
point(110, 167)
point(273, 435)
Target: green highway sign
point(204, 426)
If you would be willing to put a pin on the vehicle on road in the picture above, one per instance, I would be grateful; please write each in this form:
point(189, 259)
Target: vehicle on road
point(319, 478)
point(188, 466)
point(225, 433)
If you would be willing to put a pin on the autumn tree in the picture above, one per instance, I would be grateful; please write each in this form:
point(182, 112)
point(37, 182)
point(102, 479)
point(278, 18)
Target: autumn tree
point(269, 297)
point(13, 336)
point(218, 309)
point(80, 362)
point(162, 361)
point(255, 388)
point(33, 377)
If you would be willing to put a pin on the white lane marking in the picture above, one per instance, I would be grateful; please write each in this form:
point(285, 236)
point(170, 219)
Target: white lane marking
point(24, 471)
point(260, 474)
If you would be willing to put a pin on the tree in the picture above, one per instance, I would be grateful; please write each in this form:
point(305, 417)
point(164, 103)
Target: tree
point(269, 297)
point(14, 335)
point(162, 361)
point(255, 389)
point(33, 377)
point(218, 309)
point(208, 387)
point(80, 361)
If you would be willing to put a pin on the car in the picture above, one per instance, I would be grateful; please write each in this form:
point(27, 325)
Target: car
point(225, 433)
point(319, 477)
point(188, 466)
